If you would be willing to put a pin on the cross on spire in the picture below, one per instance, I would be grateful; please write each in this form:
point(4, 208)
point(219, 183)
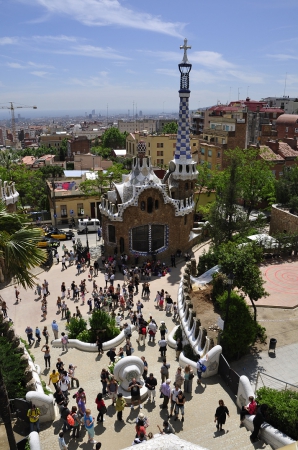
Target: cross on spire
point(185, 47)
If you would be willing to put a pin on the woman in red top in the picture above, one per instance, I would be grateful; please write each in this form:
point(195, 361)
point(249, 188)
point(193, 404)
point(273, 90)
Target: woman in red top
point(140, 429)
point(101, 408)
point(249, 410)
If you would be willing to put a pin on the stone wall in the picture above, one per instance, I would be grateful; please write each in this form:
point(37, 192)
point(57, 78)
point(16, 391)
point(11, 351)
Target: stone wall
point(282, 221)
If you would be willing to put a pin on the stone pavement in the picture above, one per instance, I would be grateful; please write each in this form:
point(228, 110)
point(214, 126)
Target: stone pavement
point(200, 406)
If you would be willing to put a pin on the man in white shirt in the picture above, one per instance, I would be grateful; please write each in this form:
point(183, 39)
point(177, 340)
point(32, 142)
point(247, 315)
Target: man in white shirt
point(152, 328)
point(201, 362)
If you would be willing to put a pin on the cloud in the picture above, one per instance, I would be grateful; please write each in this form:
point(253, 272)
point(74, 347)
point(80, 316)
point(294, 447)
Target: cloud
point(8, 40)
point(92, 51)
point(60, 38)
point(111, 12)
point(246, 77)
point(39, 73)
point(29, 65)
point(291, 80)
point(15, 65)
point(39, 66)
point(282, 57)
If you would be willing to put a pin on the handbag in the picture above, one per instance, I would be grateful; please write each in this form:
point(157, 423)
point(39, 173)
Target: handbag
point(191, 376)
point(103, 410)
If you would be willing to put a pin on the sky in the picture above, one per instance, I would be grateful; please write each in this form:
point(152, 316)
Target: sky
point(120, 55)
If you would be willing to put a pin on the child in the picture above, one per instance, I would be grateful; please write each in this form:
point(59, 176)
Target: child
point(61, 441)
point(120, 405)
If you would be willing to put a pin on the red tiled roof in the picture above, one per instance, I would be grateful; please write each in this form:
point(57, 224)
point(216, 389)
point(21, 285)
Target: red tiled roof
point(269, 155)
point(286, 150)
point(286, 119)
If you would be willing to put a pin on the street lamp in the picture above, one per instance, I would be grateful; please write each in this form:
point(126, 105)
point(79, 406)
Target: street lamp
point(87, 242)
point(230, 284)
point(54, 202)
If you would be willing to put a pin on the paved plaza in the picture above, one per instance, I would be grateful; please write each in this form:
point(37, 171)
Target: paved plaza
point(200, 405)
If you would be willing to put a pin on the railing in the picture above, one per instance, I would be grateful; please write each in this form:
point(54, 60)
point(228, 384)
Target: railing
point(265, 380)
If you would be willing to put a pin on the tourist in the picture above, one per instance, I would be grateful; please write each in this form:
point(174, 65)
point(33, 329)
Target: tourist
point(64, 342)
point(33, 415)
point(145, 371)
point(127, 330)
point(45, 333)
point(63, 262)
point(179, 379)
point(188, 377)
point(77, 422)
point(112, 389)
point(167, 428)
point(61, 441)
point(164, 370)
point(54, 378)
point(4, 308)
point(162, 347)
point(135, 389)
point(99, 345)
point(120, 405)
point(58, 303)
point(63, 309)
point(47, 357)
point(112, 354)
point(200, 367)
point(258, 420)
point(249, 409)
point(17, 293)
point(152, 328)
point(174, 394)
point(179, 348)
point(38, 290)
point(104, 377)
point(29, 333)
point(55, 329)
point(101, 408)
point(89, 425)
point(46, 285)
point(59, 365)
point(67, 315)
point(165, 390)
point(64, 413)
point(96, 267)
point(128, 348)
point(81, 402)
point(59, 396)
point(37, 334)
point(71, 374)
point(180, 401)
point(221, 414)
point(162, 329)
point(151, 384)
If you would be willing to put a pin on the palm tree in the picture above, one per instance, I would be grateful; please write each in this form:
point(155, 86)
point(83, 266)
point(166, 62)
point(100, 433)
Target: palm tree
point(18, 250)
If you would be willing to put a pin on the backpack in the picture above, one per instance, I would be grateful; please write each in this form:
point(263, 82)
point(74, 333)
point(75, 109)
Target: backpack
point(203, 367)
point(164, 370)
point(70, 420)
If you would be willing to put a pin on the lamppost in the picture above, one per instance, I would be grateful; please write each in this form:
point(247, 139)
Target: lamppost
point(54, 202)
point(87, 242)
point(230, 284)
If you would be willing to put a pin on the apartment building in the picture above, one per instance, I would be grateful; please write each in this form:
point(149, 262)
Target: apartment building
point(150, 125)
point(287, 126)
point(161, 147)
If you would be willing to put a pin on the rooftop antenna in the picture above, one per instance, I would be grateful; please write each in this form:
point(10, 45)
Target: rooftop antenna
point(230, 94)
point(285, 84)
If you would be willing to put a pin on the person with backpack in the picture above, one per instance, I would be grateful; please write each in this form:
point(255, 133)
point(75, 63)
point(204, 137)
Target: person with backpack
point(64, 342)
point(162, 347)
point(64, 413)
point(164, 370)
point(201, 367)
point(33, 414)
point(89, 425)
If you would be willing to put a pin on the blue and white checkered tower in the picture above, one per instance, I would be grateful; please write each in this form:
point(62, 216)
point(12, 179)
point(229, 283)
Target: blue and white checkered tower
point(185, 167)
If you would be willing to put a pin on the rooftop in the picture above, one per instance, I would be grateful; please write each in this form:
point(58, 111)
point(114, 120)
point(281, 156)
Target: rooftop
point(269, 155)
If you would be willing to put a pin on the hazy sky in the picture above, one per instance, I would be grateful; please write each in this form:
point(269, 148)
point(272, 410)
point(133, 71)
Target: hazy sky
point(83, 54)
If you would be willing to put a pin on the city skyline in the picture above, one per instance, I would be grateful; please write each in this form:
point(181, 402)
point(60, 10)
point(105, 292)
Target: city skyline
point(78, 56)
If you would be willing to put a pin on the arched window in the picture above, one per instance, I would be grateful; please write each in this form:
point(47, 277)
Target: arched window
point(187, 168)
point(121, 242)
point(149, 205)
point(180, 167)
point(186, 186)
point(143, 206)
point(156, 205)
point(112, 233)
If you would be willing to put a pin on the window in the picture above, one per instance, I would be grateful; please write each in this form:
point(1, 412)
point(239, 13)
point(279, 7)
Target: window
point(156, 204)
point(157, 237)
point(273, 172)
point(209, 152)
point(218, 154)
point(143, 206)
point(296, 130)
point(202, 151)
point(159, 152)
point(174, 144)
point(140, 237)
point(159, 161)
point(80, 209)
point(159, 145)
point(194, 144)
point(63, 210)
point(287, 129)
point(209, 165)
point(186, 186)
point(112, 233)
point(148, 145)
point(148, 238)
point(149, 205)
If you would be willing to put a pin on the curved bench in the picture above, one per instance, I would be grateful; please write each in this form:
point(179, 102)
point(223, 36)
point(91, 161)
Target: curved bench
point(88, 347)
point(170, 339)
point(211, 364)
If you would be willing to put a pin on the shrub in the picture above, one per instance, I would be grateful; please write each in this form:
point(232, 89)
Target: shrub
point(207, 260)
point(12, 369)
point(178, 333)
point(45, 389)
point(283, 409)
point(84, 336)
point(189, 353)
point(241, 331)
point(101, 322)
point(75, 327)
point(26, 345)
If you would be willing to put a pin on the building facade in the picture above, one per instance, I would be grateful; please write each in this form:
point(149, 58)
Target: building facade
point(287, 126)
point(145, 215)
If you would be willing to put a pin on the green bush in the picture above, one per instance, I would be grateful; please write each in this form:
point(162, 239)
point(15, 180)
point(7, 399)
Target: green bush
point(207, 260)
point(241, 331)
point(45, 389)
point(75, 327)
point(189, 353)
point(283, 409)
point(12, 369)
point(27, 348)
point(84, 336)
point(102, 322)
point(178, 333)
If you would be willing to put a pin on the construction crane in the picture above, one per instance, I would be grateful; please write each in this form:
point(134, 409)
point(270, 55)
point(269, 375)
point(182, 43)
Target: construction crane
point(13, 121)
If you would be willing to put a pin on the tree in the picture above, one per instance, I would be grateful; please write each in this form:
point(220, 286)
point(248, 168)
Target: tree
point(243, 262)
point(7, 159)
point(18, 247)
point(105, 153)
point(103, 181)
point(170, 128)
point(205, 181)
point(113, 138)
point(63, 150)
point(287, 186)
